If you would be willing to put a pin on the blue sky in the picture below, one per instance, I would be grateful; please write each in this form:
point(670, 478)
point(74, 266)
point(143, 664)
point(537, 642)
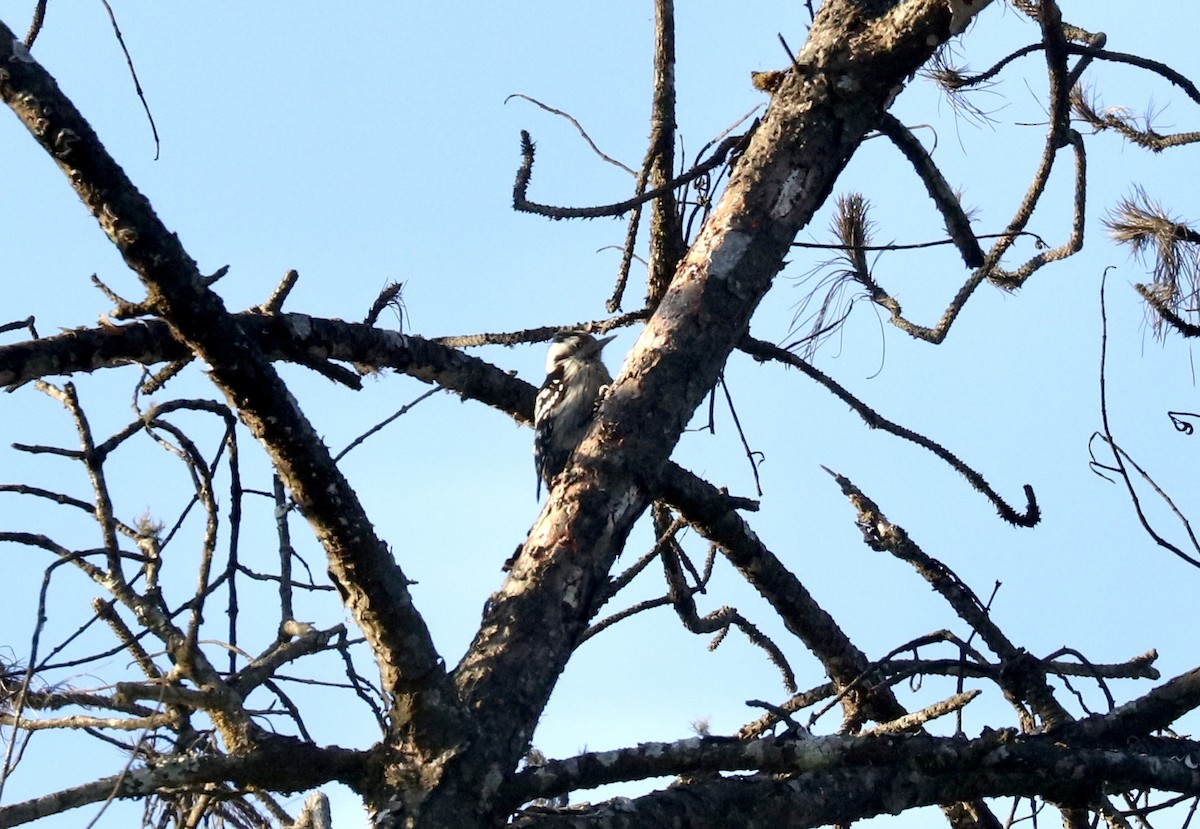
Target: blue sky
point(370, 144)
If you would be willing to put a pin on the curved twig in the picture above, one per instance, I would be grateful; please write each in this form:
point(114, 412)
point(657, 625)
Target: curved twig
point(1122, 460)
point(957, 222)
point(522, 203)
point(577, 126)
point(763, 350)
point(1164, 71)
point(137, 84)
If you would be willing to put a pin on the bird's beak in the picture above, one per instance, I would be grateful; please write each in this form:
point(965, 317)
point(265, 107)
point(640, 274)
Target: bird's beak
point(599, 344)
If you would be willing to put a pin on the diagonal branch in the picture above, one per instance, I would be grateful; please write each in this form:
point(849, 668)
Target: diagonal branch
point(957, 222)
point(707, 509)
point(1022, 677)
point(374, 587)
point(763, 350)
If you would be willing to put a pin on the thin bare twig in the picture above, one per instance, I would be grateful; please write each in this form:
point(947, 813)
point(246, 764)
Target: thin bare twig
point(137, 85)
point(1122, 461)
point(768, 351)
point(403, 410)
point(577, 126)
point(754, 457)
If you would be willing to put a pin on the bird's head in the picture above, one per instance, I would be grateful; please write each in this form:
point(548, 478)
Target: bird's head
point(574, 345)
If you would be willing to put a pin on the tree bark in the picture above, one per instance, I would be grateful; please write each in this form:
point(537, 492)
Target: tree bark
point(857, 59)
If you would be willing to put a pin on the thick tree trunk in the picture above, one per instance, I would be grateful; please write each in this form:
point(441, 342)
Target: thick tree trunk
point(857, 59)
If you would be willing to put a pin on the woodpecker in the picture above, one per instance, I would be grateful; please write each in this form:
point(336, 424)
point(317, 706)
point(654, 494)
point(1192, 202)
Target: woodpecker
point(575, 377)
